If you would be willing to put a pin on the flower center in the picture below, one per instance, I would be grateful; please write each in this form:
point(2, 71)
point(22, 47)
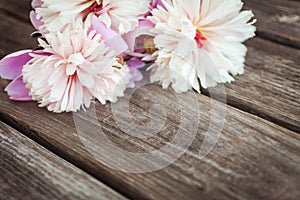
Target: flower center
point(199, 38)
point(149, 45)
point(76, 59)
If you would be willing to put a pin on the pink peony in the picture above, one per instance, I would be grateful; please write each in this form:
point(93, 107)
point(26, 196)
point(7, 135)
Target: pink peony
point(78, 67)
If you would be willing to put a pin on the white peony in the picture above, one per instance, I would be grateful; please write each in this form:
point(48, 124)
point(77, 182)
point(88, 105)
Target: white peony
point(199, 40)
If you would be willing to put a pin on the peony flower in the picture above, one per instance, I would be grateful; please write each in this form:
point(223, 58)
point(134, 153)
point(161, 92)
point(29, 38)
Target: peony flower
point(121, 16)
point(11, 69)
point(199, 40)
point(77, 68)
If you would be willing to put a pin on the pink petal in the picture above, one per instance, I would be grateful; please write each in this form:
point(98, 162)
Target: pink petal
point(112, 40)
point(156, 3)
point(104, 10)
point(35, 21)
point(36, 3)
point(136, 75)
point(17, 90)
point(11, 65)
point(135, 63)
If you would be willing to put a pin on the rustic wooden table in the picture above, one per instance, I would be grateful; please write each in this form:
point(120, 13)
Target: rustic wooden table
point(257, 156)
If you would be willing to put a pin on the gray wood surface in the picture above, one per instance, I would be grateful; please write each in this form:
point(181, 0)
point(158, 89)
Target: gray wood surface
point(253, 159)
point(29, 171)
point(278, 20)
point(11, 29)
point(16, 8)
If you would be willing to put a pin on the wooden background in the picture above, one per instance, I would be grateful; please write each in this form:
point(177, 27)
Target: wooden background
point(257, 156)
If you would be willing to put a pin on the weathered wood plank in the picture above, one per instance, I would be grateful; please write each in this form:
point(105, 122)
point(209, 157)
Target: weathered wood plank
point(14, 34)
point(28, 171)
point(16, 8)
point(253, 159)
point(278, 20)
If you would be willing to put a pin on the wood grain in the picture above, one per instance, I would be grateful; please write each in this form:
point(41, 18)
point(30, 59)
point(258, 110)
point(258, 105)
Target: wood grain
point(28, 171)
point(278, 21)
point(14, 34)
point(17, 9)
point(253, 159)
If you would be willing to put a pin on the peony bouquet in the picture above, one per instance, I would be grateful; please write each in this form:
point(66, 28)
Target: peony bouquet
point(94, 49)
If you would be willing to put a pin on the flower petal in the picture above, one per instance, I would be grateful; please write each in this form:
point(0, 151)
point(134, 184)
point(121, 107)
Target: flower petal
point(135, 63)
point(36, 3)
point(112, 40)
point(35, 21)
point(17, 90)
point(11, 65)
